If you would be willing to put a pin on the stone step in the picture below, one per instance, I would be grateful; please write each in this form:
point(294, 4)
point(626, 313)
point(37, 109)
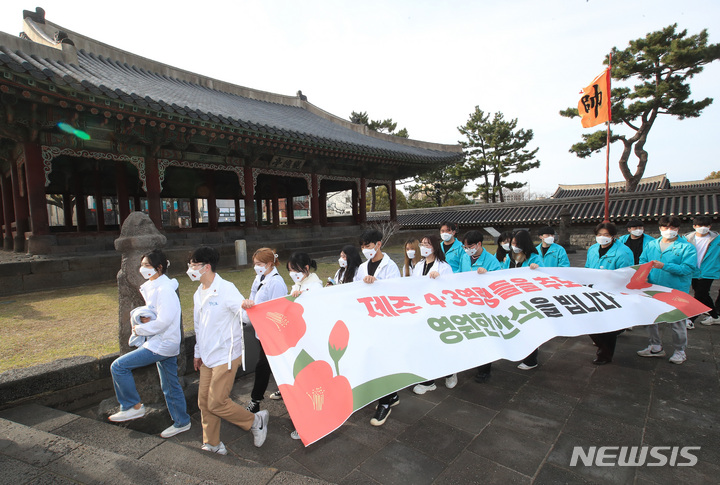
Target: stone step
point(70, 446)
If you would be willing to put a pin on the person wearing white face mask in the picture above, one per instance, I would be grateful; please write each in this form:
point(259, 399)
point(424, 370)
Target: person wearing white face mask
point(299, 266)
point(412, 256)
point(480, 261)
point(503, 246)
point(674, 261)
point(268, 285)
point(607, 253)
point(636, 239)
point(161, 348)
point(378, 266)
point(219, 351)
point(452, 247)
point(349, 263)
point(433, 265)
point(552, 254)
point(707, 245)
point(524, 255)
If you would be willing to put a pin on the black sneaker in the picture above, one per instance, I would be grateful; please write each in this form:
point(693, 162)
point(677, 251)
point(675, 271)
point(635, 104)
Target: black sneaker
point(381, 414)
point(253, 407)
point(395, 400)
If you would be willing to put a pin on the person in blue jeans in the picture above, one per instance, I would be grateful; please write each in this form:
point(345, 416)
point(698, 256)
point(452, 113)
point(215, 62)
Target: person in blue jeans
point(161, 348)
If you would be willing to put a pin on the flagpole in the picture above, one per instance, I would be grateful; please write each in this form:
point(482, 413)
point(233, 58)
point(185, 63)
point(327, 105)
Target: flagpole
point(607, 145)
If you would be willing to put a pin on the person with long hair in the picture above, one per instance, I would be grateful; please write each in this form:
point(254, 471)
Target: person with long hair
point(302, 271)
point(432, 265)
point(412, 256)
point(349, 262)
point(219, 350)
point(524, 255)
point(503, 246)
point(607, 253)
point(161, 347)
point(267, 285)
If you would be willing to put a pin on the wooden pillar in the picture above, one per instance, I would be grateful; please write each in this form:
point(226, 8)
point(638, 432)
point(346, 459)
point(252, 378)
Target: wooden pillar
point(99, 203)
point(122, 191)
point(275, 202)
point(363, 201)
point(249, 197)
point(259, 211)
point(355, 211)
point(393, 201)
point(315, 201)
point(193, 212)
point(80, 203)
point(290, 209)
point(212, 202)
point(8, 211)
point(35, 178)
point(322, 203)
point(237, 212)
point(67, 209)
point(21, 209)
point(152, 181)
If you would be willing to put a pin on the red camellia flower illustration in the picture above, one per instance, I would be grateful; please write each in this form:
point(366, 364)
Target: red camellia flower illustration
point(279, 324)
point(339, 337)
point(682, 301)
point(640, 278)
point(318, 402)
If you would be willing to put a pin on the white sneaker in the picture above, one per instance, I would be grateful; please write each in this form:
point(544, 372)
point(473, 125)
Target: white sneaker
point(173, 430)
point(522, 366)
point(451, 381)
point(259, 428)
point(219, 449)
point(649, 352)
point(295, 435)
point(128, 414)
point(420, 389)
point(678, 357)
point(710, 321)
point(689, 324)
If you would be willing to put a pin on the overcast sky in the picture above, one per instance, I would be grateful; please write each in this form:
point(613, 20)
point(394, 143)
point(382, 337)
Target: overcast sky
point(425, 64)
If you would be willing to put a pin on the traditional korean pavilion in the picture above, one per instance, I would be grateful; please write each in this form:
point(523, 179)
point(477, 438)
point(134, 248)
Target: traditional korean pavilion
point(89, 133)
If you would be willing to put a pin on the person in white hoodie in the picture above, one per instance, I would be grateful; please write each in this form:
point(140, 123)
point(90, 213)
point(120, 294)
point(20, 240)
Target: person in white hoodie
point(161, 348)
point(268, 285)
point(219, 351)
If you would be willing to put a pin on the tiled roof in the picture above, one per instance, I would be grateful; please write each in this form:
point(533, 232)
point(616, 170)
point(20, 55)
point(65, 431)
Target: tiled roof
point(647, 184)
point(589, 209)
point(150, 89)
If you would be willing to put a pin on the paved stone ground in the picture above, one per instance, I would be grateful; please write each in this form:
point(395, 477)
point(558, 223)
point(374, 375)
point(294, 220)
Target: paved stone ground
point(519, 427)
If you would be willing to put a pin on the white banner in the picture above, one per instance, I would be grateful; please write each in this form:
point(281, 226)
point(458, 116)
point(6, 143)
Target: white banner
point(335, 350)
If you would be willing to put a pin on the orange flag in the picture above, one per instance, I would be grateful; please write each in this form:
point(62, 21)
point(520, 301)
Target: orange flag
point(594, 105)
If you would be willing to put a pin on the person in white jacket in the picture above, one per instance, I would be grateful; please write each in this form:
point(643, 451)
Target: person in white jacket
point(160, 348)
point(378, 266)
point(219, 352)
point(268, 285)
point(434, 266)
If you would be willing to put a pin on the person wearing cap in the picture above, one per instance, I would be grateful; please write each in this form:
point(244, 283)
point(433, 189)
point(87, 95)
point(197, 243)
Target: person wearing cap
point(551, 253)
point(635, 239)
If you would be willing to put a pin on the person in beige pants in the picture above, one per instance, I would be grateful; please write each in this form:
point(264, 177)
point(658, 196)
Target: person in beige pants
point(219, 351)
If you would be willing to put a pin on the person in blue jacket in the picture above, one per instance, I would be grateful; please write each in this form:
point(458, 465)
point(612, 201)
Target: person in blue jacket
point(524, 255)
point(481, 261)
point(707, 245)
point(636, 239)
point(451, 246)
point(607, 253)
point(674, 262)
point(552, 254)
